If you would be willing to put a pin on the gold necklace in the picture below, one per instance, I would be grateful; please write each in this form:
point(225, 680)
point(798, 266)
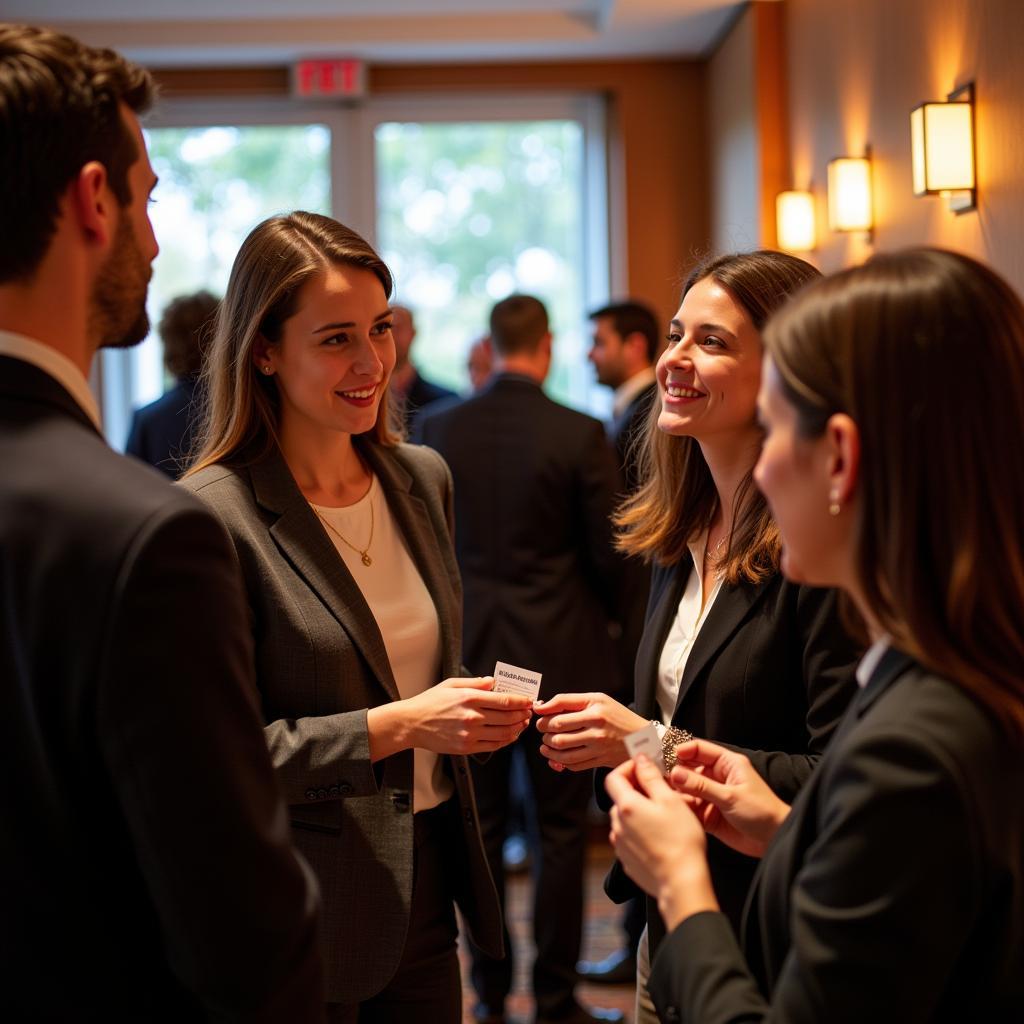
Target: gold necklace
point(364, 553)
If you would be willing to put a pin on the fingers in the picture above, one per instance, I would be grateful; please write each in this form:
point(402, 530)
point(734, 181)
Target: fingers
point(649, 778)
point(702, 752)
point(619, 784)
point(469, 682)
point(482, 698)
point(563, 702)
point(698, 784)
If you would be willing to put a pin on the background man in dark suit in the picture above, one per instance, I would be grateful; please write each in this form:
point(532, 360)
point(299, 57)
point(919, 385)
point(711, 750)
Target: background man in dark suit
point(145, 850)
point(413, 390)
point(624, 348)
point(534, 488)
point(163, 432)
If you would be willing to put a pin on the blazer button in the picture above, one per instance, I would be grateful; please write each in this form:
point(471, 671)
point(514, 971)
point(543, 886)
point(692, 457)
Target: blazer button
point(672, 1015)
point(335, 791)
point(346, 788)
point(321, 794)
point(310, 794)
point(469, 816)
point(462, 769)
point(401, 801)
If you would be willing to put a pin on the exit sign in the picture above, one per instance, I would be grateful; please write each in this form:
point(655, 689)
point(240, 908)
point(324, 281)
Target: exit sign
point(329, 79)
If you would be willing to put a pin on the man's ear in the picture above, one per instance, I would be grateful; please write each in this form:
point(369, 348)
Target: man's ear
point(843, 440)
point(92, 204)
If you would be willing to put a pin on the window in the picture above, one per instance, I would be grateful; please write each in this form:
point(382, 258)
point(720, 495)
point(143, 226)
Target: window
point(467, 201)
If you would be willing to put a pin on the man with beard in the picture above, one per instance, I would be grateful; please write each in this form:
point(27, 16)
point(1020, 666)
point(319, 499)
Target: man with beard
point(149, 873)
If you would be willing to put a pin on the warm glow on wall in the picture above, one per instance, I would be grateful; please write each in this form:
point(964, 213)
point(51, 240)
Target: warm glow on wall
point(942, 147)
point(794, 219)
point(849, 194)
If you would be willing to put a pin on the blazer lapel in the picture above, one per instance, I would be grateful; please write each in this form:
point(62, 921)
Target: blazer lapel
point(659, 622)
point(414, 522)
point(304, 542)
point(731, 607)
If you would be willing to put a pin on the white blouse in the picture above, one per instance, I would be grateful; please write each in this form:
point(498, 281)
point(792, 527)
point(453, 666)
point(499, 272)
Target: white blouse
point(404, 610)
point(690, 617)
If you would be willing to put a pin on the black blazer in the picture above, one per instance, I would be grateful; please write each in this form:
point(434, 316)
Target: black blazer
point(535, 485)
point(148, 872)
point(320, 663)
point(162, 432)
point(624, 431)
point(893, 892)
point(770, 673)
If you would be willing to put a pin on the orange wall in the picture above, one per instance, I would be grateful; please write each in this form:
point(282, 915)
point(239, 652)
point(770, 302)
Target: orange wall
point(858, 67)
point(659, 167)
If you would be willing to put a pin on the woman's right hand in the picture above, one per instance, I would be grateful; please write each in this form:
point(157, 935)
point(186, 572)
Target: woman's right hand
point(584, 730)
point(735, 804)
point(464, 716)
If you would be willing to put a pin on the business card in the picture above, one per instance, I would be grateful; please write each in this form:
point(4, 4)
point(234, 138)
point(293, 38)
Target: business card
point(646, 741)
point(512, 679)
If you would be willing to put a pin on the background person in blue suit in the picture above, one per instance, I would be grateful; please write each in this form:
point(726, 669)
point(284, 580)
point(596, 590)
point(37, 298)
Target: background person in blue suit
point(162, 433)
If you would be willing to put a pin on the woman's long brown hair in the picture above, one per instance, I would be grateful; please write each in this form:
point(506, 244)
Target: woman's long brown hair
point(241, 408)
point(924, 350)
point(677, 499)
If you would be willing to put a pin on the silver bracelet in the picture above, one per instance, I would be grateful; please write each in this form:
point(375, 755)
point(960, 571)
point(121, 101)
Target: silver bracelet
point(672, 738)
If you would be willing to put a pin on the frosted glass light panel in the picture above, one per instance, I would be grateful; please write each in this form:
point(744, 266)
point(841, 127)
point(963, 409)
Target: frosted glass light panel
point(794, 217)
point(469, 212)
point(849, 194)
point(942, 146)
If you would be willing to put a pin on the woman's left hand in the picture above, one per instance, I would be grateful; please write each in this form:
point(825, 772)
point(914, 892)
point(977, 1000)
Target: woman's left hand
point(659, 840)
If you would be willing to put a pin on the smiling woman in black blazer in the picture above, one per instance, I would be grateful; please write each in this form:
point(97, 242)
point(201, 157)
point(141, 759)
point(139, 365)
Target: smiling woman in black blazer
point(893, 889)
point(730, 651)
point(344, 539)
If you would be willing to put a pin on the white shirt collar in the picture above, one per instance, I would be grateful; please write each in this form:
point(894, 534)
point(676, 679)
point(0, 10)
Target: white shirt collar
point(872, 656)
point(55, 364)
point(625, 393)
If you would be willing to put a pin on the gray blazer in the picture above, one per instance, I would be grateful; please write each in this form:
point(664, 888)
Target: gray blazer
point(320, 664)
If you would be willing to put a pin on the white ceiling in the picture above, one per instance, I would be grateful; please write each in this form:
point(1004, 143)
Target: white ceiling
point(168, 33)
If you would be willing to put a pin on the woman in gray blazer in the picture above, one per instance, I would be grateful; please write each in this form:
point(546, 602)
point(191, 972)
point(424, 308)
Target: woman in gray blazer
point(344, 539)
point(893, 888)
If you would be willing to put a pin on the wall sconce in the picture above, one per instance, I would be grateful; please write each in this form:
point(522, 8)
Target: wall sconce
point(942, 145)
point(794, 221)
point(849, 194)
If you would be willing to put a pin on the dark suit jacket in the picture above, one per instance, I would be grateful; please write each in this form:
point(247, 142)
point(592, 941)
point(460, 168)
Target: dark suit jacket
point(770, 673)
point(148, 872)
point(320, 663)
point(893, 892)
point(535, 484)
point(625, 431)
point(162, 432)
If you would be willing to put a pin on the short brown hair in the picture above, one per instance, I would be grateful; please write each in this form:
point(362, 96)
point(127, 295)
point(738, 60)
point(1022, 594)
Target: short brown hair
point(59, 109)
point(518, 325)
point(185, 329)
point(677, 499)
point(939, 549)
point(632, 317)
point(241, 412)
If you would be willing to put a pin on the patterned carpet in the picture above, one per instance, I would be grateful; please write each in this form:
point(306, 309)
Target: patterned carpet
point(601, 934)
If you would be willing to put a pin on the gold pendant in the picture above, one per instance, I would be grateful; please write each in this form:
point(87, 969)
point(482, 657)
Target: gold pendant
point(367, 560)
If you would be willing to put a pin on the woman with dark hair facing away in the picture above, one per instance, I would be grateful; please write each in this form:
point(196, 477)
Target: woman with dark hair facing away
point(893, 888)
point(344, 538)
point(730, 650)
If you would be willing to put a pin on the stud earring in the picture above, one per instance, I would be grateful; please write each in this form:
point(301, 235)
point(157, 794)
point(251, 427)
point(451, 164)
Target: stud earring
point(267, 369)
point(833, 504)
